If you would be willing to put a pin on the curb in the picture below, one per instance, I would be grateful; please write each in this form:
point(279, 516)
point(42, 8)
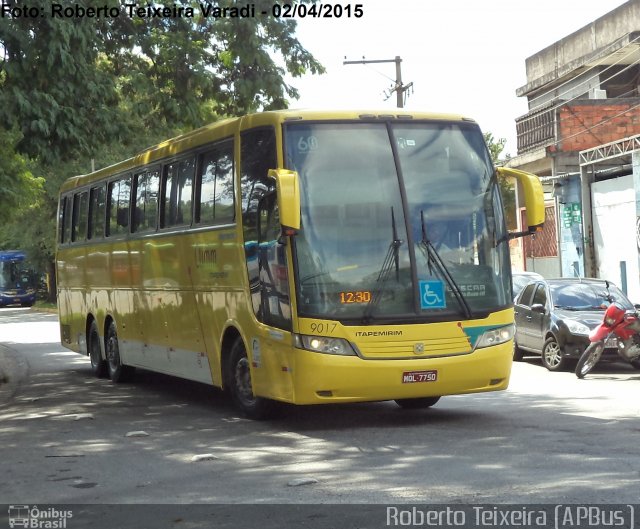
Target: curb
point(49, 310)
point(13, 370)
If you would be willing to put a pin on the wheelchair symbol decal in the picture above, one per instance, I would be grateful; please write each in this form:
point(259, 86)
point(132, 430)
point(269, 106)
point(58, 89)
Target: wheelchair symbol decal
point(432, 295)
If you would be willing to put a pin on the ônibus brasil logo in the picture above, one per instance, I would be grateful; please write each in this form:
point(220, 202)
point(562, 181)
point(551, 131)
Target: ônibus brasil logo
point(36, 518)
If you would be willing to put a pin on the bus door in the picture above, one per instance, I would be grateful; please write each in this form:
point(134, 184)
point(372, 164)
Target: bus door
point(272, 366)
point(275, 307)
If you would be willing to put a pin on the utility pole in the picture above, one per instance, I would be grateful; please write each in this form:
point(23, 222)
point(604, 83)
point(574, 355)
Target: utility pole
point(399, 88)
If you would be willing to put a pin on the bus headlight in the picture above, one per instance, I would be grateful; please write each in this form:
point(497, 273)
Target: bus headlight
point(495, 336)
point(324, 344)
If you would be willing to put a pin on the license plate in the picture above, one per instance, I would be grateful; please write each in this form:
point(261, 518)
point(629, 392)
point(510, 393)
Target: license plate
point(411, 377)
point(612, 341)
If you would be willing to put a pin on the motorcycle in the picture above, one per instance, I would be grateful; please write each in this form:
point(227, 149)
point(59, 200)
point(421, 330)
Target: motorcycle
point(620, 329)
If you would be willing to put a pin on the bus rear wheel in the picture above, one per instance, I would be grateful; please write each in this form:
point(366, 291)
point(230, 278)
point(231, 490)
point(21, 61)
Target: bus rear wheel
point(239, 385)
point(98, 365)
point(416, 404)
point(117, 371)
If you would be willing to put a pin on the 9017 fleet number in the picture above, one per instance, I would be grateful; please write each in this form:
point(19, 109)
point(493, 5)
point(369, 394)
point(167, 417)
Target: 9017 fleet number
point(410, 377)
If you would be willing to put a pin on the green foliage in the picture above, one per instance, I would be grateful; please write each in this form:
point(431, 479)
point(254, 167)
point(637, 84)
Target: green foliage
point(69, 84)
point(185, 71)
point(18, 187)
point(507, 188)
point(81, 89)
point(495, 146)
point(52, 89)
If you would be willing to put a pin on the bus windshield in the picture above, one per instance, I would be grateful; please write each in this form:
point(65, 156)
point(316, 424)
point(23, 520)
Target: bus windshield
point(401, 221)
point(18, 282)
point(13, 272)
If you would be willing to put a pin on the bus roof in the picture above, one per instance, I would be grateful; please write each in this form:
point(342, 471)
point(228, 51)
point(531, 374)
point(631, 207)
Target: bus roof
point(226, 128)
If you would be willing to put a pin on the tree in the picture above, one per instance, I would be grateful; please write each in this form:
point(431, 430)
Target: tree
point(18, 187)
point(53, 90)
point(507, 188)
point(495, 147)
point(186, 71)
point(69, 84)
point(78, 89)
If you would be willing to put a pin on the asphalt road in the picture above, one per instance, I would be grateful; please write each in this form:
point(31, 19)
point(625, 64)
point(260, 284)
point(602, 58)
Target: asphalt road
point(66, 438)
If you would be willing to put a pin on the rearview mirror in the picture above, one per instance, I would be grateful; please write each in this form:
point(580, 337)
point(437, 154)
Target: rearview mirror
point(533, 198)
point(288, 193)
point(538, 307)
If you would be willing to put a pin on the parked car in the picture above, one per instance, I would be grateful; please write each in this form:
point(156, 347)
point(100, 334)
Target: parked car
point(519, 280)
point(554, 317)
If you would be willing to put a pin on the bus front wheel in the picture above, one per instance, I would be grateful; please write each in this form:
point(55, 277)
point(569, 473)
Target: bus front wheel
point(415, 404)
point(98, 365)
point(240, 387)
point(117, 371)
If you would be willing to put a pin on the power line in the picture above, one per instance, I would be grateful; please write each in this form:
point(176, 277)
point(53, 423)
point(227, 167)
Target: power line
point(563, 120)
point(399, 87)
point(566, 102)
point(589, 129)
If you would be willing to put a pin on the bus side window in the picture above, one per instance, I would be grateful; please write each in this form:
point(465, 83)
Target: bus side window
point(214, 188)
point(258, 155)
point(118, 206)
point(177, 188)
point(147, 185)
point(79, 223)
point(68, 213)
point(61, 208)
point(97, 209)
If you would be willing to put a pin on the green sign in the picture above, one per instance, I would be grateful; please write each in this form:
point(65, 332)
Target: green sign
point(571, 214)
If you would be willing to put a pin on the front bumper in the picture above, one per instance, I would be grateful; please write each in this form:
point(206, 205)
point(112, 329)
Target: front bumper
point(322, 378)
point(17, 299)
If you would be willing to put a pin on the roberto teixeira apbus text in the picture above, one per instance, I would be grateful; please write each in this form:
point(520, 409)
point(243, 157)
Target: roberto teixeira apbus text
point(558, 516)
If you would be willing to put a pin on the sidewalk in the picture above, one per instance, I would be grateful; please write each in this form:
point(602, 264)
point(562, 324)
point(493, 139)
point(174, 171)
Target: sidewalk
point(13, 369)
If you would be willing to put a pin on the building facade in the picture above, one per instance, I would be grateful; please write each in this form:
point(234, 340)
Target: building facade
point(581, 136)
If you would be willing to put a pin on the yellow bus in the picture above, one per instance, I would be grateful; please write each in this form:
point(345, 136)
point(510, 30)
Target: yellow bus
point(297, 256)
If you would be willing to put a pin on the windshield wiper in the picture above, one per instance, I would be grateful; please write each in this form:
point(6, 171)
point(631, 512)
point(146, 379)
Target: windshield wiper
point(392, 258)
point(433, 259)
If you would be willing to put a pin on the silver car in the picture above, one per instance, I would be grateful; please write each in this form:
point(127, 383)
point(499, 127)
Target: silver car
point(519, 280)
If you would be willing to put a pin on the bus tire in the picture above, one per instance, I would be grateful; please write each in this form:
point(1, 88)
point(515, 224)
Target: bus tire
point(98, 365)
point(117, 372)
point(240, 388)
point(518, 354)
point(416, 404)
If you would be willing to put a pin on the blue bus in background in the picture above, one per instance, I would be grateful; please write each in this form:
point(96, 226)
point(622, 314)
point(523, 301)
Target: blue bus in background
point(17, 280)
